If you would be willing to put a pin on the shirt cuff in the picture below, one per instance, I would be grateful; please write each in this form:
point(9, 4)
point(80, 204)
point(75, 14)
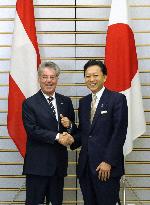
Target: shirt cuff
point(57, 136)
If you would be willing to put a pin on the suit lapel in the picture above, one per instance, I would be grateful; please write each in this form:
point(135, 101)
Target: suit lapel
point(101, 106)
point(60, 109)
point(59, 104)
point(87, 108)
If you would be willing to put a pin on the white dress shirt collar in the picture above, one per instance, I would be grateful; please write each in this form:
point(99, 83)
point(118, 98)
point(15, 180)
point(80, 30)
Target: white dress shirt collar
point(46, 96)
point(99, 94)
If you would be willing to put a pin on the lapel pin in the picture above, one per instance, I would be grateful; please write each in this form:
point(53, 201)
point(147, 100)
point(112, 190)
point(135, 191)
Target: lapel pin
point(102, 105)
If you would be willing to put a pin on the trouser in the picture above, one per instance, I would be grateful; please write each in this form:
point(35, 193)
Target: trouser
point(97, 192)
point(40, 187)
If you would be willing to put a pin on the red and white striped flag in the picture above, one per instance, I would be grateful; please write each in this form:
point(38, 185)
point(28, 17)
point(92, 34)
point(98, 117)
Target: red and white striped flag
point(23, 75)
point(122, 64)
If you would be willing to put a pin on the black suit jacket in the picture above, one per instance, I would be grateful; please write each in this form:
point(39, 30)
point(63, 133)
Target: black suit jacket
point(104, 139)
point(44, 155)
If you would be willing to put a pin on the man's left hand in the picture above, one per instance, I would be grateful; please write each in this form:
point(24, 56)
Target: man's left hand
point(103, 170)
point(65, 121)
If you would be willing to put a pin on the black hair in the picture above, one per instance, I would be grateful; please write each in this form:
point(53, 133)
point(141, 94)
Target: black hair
point(98, 63)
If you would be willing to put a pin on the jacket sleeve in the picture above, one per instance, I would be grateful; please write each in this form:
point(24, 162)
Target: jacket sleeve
point(120, 124)
point(72, 130)
point(33, 130)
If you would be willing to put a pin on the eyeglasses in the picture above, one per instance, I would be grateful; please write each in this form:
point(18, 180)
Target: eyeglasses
point(46, 77)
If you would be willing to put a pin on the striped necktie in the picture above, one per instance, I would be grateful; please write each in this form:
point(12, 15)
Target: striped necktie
point(51, 105)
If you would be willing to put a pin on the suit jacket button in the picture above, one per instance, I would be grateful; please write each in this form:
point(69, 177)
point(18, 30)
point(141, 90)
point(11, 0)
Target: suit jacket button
point(90, 136)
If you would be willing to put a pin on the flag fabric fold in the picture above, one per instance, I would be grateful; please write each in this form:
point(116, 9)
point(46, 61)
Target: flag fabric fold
point(23, 79)
point(123, 76)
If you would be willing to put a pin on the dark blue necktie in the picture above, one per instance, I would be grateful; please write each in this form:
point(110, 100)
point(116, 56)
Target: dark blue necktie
point(51, 105)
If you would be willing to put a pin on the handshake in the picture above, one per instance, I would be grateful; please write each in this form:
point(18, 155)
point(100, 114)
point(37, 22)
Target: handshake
point(65, 139)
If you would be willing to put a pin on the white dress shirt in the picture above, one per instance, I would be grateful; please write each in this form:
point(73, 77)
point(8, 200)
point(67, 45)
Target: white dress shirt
point(98, 95)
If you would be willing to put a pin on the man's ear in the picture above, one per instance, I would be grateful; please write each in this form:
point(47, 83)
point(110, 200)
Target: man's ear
point(105, 78)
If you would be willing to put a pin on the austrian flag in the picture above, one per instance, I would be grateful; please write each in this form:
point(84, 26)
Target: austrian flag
point(23, 74)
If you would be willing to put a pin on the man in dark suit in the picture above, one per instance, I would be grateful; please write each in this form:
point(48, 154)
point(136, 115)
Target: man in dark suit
point(103, 121)
point(46, 160)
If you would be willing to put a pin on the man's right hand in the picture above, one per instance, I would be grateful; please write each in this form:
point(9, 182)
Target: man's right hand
point(65, 139)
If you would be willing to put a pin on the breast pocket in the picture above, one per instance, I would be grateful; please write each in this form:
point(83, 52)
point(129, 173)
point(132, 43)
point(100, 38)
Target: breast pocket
point(104, 115)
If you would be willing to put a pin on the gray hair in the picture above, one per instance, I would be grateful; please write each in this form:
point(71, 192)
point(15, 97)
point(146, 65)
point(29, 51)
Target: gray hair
point(50, 65)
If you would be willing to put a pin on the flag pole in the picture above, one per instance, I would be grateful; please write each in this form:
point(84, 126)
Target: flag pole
point(124, 189)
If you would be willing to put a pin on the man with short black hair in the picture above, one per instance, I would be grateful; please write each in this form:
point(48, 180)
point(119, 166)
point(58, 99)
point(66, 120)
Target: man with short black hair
point(103, 121)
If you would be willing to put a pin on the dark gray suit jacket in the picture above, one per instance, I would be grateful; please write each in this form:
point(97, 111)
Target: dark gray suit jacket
point(104, 139)
point(44, 155)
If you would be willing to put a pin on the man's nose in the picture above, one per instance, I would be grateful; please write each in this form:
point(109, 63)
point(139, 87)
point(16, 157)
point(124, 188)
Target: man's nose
point(91, 78)
point(49, 79)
